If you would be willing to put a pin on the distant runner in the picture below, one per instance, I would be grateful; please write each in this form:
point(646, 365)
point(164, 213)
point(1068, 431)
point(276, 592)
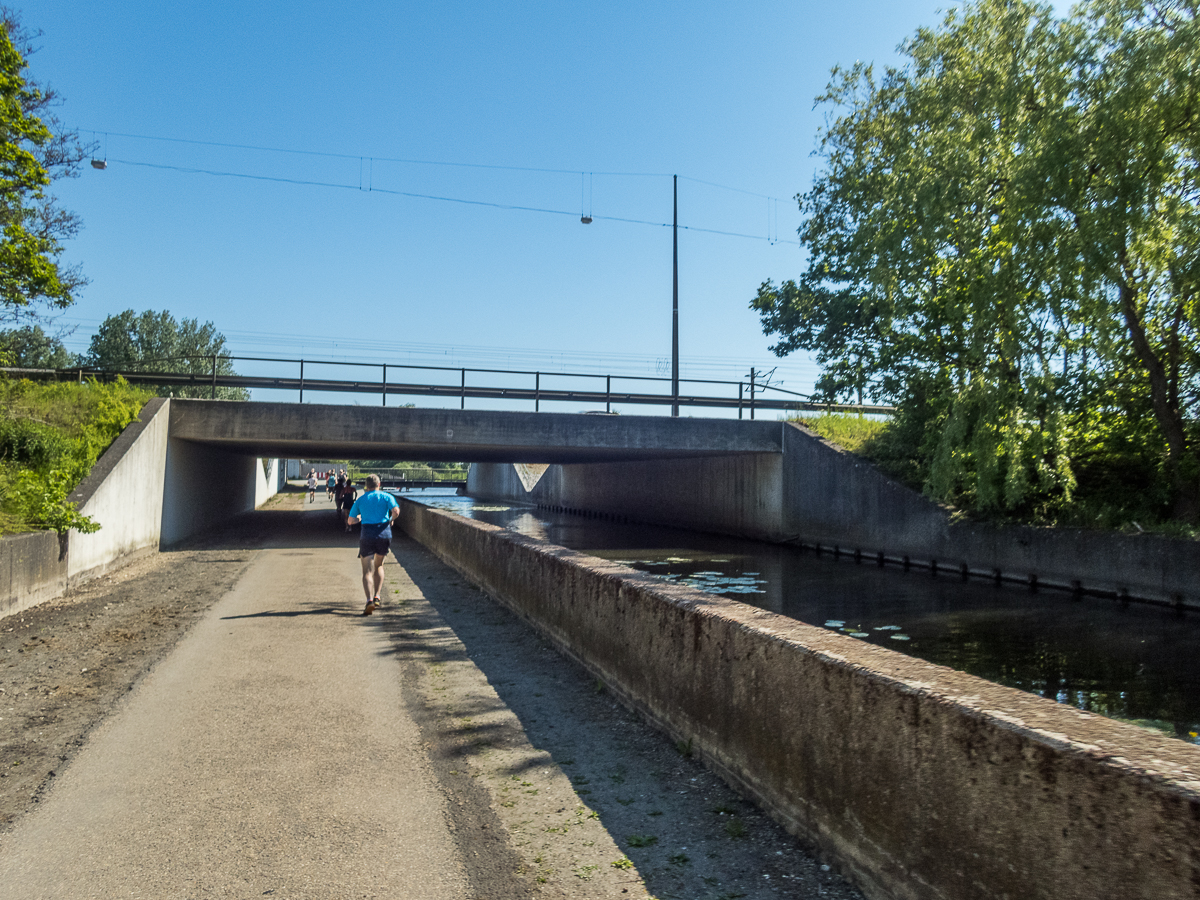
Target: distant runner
point(345, 501)
point(312, 485)
point(376, 511)
point(330, 484)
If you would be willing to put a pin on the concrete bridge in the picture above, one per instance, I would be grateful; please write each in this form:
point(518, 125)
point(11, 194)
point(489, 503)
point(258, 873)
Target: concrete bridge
point(196, 466)
point(293, 430)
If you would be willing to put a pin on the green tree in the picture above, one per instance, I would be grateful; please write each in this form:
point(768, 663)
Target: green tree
point(1003, 242)
point(30, 347)
point(35, 149)
point(156, 342)
point(1128, 178)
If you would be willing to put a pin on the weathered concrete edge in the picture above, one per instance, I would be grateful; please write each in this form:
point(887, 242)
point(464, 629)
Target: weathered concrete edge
point(33, 569)
point(920, 781)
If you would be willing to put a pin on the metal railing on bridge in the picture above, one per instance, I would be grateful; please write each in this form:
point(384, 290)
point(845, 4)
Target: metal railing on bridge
point(746, 396)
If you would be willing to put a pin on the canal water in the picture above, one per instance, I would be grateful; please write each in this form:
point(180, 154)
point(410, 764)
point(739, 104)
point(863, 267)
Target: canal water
point(1135, 662)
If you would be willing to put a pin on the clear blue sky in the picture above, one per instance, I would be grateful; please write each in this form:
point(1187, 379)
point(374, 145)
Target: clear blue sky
point(716, 92)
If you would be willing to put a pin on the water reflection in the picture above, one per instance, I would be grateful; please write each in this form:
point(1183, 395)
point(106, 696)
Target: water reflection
point(1137, 662)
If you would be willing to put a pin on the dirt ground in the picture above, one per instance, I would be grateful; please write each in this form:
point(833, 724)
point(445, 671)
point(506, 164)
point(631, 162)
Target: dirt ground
point(65, 664)
point(553, 789)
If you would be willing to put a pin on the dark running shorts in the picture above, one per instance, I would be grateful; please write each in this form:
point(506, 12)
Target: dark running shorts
point(374, 547)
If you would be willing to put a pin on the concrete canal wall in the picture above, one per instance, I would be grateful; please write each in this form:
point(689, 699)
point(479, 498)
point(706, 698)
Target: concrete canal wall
point(839, 500)
point(814, 493)
point(916, 780)
point(739, 494)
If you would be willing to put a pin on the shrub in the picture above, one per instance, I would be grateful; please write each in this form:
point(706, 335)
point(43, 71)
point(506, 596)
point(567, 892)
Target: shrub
point(50, 437)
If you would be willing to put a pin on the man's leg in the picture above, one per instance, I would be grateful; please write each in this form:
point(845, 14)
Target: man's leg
point(368, 572)
point(377, 575)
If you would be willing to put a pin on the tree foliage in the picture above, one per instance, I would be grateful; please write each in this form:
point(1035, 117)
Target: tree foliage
point(35, 149)
point(156, 342)
point(29, 347)
point(1004, 242)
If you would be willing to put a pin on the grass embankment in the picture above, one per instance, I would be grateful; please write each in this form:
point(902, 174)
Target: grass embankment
point(1118, 489)
point(50, 437)
point(410, 472)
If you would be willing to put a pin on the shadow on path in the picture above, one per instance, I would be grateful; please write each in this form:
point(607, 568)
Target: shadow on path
point(276, 529)
point(292, 613)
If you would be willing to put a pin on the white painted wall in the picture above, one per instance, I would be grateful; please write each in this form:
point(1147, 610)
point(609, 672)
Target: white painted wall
point(266, 481)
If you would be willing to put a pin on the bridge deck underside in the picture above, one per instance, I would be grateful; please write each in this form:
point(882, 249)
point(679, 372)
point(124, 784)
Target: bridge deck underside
point(291, 430)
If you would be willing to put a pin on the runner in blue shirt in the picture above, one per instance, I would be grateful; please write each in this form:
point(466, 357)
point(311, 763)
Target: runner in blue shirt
point(376, 511)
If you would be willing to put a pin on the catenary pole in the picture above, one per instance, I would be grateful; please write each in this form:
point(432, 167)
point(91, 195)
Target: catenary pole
point(675, 296)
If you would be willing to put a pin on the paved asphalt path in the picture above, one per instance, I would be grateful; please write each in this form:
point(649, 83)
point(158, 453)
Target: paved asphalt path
point(271, 754)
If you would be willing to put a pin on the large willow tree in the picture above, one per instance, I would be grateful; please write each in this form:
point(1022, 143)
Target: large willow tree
point(1004, 241)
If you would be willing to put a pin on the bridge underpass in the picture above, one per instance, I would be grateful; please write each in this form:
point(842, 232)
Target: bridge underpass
point(728, 467)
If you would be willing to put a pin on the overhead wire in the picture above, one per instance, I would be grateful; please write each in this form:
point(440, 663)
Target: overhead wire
point(415, 162)
point(486, 203)
point(421, 162)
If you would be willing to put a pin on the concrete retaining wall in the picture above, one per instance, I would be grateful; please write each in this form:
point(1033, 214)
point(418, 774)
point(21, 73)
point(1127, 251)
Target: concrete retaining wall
point(815, 493)
point(124, 493)
point(147, 490)
point(33, 568)
point(730, 494)
point(918, 781)
point(834, 498)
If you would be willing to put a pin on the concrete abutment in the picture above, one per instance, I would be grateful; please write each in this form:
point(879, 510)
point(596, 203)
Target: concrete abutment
point(148, 490)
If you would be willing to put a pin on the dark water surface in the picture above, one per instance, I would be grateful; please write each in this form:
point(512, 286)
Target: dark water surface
point(1135, 662)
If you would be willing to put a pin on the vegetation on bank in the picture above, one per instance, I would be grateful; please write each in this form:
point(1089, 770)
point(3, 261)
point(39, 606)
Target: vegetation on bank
point(410, 471)
point(50, 437)
point(1119, 483)
point(1001, 241)
point(390, 470)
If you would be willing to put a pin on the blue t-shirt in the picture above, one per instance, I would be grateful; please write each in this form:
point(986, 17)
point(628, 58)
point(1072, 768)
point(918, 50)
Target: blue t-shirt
point(375, 508)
